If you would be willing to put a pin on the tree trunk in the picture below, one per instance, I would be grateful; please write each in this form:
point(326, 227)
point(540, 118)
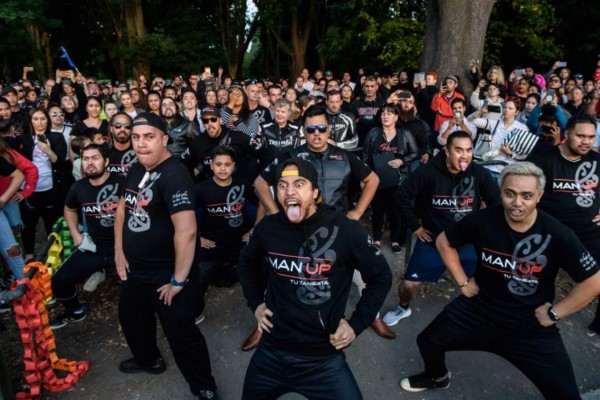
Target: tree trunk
point(38, 62)
point(300, 32)
point(234, 37)
point(136, 32)
point(320, 32)
point(454, 35)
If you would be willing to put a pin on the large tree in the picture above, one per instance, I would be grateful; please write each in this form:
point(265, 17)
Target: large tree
point(237, 30)
point(454, 34)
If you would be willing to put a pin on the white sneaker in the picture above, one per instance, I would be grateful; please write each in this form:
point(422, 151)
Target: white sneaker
point(93, 281)
point(392, 317)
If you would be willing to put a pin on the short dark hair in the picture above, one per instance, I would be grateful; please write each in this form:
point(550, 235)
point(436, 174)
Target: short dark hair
point(314, 111)
point(457, 135)
point(77, 143)
point(458, 100)
point(93, 146)
point(580, 119)
point(222, 150)
point(120, 113)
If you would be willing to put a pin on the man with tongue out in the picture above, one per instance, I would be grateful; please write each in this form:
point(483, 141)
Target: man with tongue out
point(433, 198)
point(509, 307)
point(309, 252)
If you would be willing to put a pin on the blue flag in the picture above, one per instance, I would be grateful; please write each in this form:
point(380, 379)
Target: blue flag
point(65, 55)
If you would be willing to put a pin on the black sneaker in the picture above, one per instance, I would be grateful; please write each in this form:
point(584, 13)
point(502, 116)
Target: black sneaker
point(422, 381)
point(131, 366)
point(67, 318)
point(207, 395)
point(396, 248)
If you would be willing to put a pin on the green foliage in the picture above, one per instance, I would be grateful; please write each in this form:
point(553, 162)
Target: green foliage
point(522, 31)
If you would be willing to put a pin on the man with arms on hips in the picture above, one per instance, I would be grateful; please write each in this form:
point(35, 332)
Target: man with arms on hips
point(309, 253)
point(158, 204)
point(91, 202)
point(433, 198)
point(509, 308)
point(571, 194)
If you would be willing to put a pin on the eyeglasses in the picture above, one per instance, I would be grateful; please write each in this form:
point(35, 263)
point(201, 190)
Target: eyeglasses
point(313, 129)
point(554, 80)
point(120, 125)
point(209, 119)
point(57, 114)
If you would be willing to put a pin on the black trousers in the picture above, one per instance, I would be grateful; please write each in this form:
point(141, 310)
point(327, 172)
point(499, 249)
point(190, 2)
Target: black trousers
point(543, 359)
point(75, 269)
point(271, 374)
point(138, 304)
point(384, 202)
point(211, 272)
point(39, 205)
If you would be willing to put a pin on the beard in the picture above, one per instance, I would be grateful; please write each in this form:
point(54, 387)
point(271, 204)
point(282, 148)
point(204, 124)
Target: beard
point(94, 175)
point(406, 116)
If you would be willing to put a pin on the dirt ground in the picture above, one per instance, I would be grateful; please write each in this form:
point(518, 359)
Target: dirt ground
point(378, 364)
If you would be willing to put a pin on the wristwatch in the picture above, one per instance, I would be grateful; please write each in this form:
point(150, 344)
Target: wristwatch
point(175, 283)
point(552, 315)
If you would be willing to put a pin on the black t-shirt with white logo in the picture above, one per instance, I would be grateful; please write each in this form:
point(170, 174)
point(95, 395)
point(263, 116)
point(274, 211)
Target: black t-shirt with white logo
point(572, 193)
point(97, 208)
point(119, 161)
point(516, 271)
point(223, 217)
point(147, 229)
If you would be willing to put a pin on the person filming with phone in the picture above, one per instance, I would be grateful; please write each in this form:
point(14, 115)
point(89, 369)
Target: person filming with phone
point(442, 102)
point(457, 123)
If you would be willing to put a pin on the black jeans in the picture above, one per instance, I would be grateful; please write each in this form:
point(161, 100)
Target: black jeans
point(384, 202)
point(39, 204)
point(271, 374)
point(543, 359)
point(75, 269)
point(137, 304)
point(211, 272)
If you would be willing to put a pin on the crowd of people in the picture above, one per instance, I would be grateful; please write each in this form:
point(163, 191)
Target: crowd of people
point(263, 181)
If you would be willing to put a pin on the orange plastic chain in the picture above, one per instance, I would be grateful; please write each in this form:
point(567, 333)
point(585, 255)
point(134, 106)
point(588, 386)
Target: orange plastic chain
point(39, 356)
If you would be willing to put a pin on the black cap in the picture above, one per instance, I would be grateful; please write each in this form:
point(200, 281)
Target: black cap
point(210, 110)
point(151, 119)
point(305, 170)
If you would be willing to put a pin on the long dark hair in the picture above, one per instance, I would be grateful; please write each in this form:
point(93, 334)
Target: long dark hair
point(42, 110)
point(244, 113)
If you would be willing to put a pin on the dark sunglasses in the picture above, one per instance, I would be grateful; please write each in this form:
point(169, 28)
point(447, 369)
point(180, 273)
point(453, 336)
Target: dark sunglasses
point(120, 125)
point(209, 119)
point(313, 129)
point(20, 90)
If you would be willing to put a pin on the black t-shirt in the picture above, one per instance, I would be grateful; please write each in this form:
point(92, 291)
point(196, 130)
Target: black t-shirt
point(6, 168)
point(147, 229)
point(119, 161)
point(97, 207)
point(223, 219)
point(262, 114)
point(572, 193)
point(516, 271)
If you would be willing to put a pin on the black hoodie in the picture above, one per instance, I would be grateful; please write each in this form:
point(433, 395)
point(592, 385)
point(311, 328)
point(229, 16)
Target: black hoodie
point(439, 198)
point(309, 268)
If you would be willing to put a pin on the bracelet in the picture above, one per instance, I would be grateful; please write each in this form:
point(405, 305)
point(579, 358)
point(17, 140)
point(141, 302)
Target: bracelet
point(465, 284)
point(178, 284)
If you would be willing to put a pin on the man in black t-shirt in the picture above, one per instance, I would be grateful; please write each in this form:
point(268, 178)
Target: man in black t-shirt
point(225, 222)
point(91, 202)
point(508, 307)
point(158, 204)
point(572, 194)
point(304, 257)
point(121, 155)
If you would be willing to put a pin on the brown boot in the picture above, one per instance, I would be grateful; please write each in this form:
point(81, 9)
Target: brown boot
point(382, 329)
point(253, 340)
